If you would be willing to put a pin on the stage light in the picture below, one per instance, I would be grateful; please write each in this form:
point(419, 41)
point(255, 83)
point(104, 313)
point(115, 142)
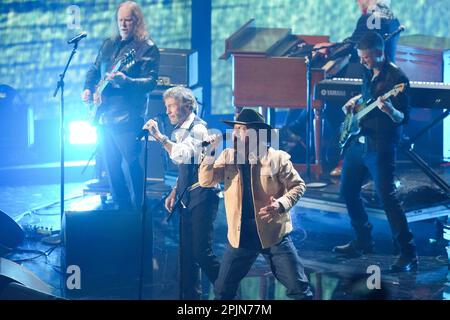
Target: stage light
point(81, 132)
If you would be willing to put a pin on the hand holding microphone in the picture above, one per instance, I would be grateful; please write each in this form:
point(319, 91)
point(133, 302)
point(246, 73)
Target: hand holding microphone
point(214, 140)
point(150, 127)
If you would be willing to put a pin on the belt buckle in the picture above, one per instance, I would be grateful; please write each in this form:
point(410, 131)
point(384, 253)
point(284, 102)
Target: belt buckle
point(362, 139)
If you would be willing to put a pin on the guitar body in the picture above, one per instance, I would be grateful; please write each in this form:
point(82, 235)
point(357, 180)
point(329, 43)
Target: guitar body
point(97, 109)
point(349, 129)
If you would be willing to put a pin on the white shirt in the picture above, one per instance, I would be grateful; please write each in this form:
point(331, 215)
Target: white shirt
point(188, 144)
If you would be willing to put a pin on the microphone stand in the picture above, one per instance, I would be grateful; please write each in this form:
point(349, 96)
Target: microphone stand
point(178, 206)
point(143, 226)
point(60, 85)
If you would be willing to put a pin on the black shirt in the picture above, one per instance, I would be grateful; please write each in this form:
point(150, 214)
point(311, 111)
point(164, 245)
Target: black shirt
point(377, 125)
point(125, 103)
point(249, 238)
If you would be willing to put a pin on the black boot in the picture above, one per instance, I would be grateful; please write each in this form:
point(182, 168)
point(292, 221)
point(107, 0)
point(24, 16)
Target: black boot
point(353, 249)
point(405, 263)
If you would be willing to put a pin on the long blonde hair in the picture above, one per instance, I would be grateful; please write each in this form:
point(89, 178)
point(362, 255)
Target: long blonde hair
point(140, 32)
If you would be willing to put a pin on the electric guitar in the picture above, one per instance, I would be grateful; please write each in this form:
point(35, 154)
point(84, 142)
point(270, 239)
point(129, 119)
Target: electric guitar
point(350, 127)
point(96, 109)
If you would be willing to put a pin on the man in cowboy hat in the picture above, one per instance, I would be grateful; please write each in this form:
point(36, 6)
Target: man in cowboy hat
point(261, 186)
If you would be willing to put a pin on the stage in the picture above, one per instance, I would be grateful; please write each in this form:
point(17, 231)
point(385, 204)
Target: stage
point(320, 223)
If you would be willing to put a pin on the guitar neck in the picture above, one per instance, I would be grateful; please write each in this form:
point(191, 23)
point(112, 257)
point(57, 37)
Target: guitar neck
point(361, 114)
point(105, 82)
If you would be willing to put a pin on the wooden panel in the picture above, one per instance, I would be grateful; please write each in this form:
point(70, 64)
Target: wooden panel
point(271, 82)
point(420, 64)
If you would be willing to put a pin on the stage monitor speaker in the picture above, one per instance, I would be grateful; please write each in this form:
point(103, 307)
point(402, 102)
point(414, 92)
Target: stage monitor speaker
point(106, 247)
point(11, 234)
point(17, 291)
point(19, 283)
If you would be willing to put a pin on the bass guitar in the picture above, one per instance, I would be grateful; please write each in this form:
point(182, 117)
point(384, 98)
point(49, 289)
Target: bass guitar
point(350, 127)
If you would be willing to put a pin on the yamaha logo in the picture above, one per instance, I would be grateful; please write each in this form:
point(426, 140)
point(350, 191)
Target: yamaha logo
point(333, 93)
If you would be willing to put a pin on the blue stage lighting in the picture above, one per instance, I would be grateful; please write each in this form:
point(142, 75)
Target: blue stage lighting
point(81, 132)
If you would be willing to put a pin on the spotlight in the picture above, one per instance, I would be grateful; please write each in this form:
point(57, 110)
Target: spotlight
point(81, 132)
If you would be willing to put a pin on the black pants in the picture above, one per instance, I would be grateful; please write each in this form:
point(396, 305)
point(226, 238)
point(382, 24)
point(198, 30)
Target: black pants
point(121, 154)
point(196, 252)
point(359, 161)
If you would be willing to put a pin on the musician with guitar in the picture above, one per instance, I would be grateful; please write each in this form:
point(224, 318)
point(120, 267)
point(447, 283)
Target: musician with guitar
point(370, 134)
point(117, 84)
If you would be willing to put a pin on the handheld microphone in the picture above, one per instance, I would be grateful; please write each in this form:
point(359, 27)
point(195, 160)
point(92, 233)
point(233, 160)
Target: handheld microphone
point(77, 38)
point(207, 143)
point(388, 36)
point(145, 132)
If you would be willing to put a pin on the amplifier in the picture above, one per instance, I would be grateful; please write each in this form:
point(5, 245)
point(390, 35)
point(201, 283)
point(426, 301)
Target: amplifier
point(106, 247)
point(178, 67)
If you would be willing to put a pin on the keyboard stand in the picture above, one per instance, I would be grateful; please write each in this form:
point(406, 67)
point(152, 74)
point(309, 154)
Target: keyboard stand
point(407, 147)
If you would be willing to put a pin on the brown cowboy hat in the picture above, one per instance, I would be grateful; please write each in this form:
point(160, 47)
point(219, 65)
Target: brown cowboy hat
point(249, 118)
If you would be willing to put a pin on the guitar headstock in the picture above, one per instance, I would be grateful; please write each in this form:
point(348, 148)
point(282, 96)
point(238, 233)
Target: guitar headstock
point(398, 89)
point(128, 58)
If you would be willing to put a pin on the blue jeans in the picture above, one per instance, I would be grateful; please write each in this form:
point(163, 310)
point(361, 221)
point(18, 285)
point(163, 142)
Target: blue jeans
point(284, 263)
point(360, 161)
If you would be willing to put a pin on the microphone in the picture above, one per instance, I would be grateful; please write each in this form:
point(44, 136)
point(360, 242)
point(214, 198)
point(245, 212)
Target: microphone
point(207, 143)
point(145, 132)
point(388, 36)
point(77, 38)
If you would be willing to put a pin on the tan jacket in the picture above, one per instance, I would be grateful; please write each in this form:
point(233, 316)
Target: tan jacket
point(273, 175)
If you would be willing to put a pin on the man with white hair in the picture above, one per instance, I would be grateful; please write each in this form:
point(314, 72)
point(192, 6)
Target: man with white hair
point(120, 105)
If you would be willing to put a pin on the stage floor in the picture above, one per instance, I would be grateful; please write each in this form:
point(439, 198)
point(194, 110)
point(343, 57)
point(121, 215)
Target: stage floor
point(320, 223)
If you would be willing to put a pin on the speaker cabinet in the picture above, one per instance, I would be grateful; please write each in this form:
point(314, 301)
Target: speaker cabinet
point(105, 246)
point(178, 67)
